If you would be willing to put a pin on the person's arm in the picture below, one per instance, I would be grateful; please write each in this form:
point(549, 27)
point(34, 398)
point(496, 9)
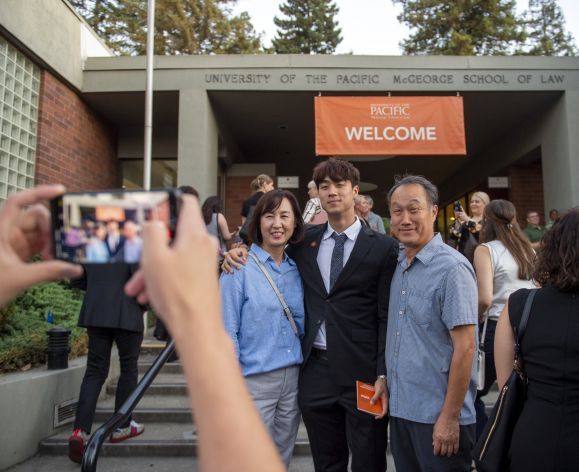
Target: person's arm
point(484, 277)
point(232, 304)
point(180, 283)
point(504, 347)
point(309, 211)
point(25, 230)
point(459, 314)
point(446, 433)
point(223, 228)
point(380, 225)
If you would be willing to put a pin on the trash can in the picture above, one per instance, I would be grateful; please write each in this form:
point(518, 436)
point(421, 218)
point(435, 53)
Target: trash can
point(58, 348)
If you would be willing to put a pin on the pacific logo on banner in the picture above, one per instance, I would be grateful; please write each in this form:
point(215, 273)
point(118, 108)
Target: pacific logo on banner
point(389, 126)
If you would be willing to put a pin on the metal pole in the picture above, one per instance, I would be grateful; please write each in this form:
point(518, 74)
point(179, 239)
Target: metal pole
point(149, 94)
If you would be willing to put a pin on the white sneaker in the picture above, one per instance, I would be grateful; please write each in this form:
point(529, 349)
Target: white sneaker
point(134, 429)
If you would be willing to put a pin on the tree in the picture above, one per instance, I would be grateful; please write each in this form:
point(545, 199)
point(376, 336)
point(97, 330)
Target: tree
point(545, 25)
point(309, 27)
point(181, 26)
point(460, 27)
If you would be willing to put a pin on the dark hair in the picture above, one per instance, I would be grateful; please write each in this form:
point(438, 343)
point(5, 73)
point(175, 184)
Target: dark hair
point(558, 259)
point(270, 202)
point(337, 170)
point(211, 205)
point(189, 190)
point(532, 211)
point(500, 222)
point(409, 179)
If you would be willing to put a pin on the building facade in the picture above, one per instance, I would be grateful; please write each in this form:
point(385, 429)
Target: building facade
point(74, 113)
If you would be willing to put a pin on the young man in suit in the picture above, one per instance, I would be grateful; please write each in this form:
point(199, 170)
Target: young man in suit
point(109, 315)
point(346, 270)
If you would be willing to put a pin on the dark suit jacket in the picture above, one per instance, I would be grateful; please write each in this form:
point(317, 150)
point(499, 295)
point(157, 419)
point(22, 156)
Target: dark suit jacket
point(355, 310)
point(105, 304)
point(116, 254)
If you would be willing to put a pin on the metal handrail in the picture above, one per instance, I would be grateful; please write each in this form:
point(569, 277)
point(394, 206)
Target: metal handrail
point(91, 453)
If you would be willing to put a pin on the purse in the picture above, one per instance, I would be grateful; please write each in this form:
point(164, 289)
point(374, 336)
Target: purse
point(481, 357)
point(491, 452)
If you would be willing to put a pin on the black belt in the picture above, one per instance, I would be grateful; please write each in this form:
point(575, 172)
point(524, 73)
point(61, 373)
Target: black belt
point(320, 353)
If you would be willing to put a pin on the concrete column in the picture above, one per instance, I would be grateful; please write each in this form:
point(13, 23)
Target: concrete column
point(198, 143)
point(560, 153)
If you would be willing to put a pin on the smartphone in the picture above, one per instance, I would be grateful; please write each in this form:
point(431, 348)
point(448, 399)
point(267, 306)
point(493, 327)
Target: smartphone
point(457, 206)
point(105, 227)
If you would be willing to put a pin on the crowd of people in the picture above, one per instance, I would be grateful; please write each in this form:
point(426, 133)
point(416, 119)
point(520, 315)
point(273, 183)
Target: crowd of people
point(103, 241)
point(305, 310)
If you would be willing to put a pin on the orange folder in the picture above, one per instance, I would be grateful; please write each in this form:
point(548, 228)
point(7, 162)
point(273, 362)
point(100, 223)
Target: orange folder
point(365, 392)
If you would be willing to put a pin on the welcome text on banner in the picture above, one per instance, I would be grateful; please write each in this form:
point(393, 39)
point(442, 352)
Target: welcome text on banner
point(389, 126)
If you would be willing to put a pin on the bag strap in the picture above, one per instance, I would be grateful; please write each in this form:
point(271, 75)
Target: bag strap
point(285, 306)
point(486, 314)
point(520, 332)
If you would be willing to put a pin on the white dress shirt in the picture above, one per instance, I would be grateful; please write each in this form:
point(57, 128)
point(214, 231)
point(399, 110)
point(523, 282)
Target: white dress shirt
point(324, 260)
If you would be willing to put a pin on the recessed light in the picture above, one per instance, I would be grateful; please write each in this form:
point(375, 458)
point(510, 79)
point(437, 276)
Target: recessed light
point(282, 127)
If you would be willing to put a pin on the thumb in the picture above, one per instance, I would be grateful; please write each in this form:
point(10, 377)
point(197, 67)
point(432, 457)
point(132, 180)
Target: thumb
point(32, 274)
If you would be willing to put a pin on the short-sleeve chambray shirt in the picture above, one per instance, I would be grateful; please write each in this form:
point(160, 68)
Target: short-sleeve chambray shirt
point(428, 298)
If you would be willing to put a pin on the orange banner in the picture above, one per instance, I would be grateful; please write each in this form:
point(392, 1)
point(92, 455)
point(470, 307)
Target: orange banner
point(389, 126)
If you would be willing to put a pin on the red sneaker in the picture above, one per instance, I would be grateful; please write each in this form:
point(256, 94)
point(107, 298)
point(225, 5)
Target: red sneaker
point(76, 444)
point(134, 429)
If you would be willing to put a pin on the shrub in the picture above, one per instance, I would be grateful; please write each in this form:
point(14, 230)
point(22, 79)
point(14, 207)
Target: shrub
point(23, 325)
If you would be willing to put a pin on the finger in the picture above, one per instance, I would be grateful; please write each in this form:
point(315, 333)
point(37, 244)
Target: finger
point(436, 447)
point(136, 284)
point(143, 298)
point(32, 274)
point(455, 447)
point(190, 220)
point(155, 246)
point(17, 201)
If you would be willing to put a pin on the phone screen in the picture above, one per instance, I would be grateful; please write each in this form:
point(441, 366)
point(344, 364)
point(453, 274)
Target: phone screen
point(105, 227)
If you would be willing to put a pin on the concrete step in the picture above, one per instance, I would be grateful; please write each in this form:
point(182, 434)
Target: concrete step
point(151, 401)
point(151, 415)
point(61, 463)
point(158, 439)
point(158, 388)
point(168, 368)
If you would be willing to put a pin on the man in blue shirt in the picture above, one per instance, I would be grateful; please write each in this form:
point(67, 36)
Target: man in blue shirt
point(431, 339)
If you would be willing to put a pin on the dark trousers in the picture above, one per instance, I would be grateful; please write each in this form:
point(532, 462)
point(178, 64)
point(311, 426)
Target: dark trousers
point(100, 343)
point(334, 424)
point(490, 377)
point(411, 445)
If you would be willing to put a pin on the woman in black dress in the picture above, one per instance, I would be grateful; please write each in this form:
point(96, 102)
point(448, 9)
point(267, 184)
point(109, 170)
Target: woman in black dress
point(546, 437)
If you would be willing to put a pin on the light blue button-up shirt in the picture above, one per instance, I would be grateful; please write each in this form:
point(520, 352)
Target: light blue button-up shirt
point(254, 317)
point(436, 293)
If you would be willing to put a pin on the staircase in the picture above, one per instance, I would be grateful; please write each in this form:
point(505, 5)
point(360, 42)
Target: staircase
point(169, 442)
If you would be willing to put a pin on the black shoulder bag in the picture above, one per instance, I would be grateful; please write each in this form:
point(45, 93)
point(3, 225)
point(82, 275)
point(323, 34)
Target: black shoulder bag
point(491, 452)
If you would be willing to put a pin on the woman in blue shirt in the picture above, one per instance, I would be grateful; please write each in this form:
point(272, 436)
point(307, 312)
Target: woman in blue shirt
point(267, 342)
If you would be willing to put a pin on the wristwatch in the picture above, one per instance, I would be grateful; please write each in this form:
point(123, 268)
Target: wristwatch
point(383, 377)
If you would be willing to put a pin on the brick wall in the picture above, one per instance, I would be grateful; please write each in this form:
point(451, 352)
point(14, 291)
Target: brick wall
point(75, 146)
point(526, 191)
point(236, 191)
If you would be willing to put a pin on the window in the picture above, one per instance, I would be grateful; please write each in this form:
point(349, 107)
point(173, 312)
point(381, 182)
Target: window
point(19, 89)
point(163, 173)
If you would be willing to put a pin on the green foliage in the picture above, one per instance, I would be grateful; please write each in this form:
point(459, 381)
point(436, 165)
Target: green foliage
point(307, 27)
point(23, 325)
point(181, 26)
point(461, 27)
point(546, 32)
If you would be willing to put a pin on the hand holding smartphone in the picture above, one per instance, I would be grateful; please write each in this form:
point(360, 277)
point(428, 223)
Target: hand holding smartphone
point(104, 227)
